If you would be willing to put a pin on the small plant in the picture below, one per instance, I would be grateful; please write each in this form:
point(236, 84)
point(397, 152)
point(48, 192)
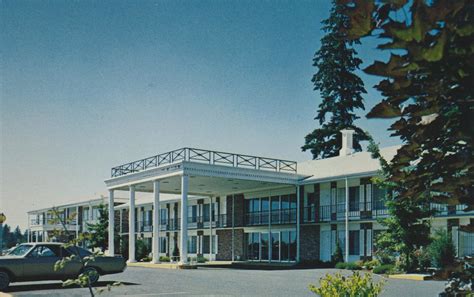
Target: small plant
point(371, 264)
point(442, 250)
point(384, 269)
point(354, 285)
point(201, 259)
point(337, 256)
point(349, 265)
point(164, 259)
point(142, 250)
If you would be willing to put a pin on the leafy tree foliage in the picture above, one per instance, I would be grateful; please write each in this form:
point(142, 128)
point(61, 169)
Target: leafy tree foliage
point(427, 87)
point(341, 90)
point(406, 231)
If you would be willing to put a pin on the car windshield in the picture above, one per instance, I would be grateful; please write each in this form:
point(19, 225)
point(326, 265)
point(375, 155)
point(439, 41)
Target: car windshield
point(82, 252)
point(21, 250)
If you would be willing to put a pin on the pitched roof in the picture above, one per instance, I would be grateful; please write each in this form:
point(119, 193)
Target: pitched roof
point(355, 164)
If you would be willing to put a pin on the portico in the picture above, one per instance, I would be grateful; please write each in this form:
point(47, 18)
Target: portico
point(201, 173)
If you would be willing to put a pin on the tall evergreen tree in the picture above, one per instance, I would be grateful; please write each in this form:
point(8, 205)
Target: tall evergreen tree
point(340, 88)
point(99, 232)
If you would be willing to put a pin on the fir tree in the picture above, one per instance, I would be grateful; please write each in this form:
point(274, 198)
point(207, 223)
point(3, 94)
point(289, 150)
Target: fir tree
point(341, 90)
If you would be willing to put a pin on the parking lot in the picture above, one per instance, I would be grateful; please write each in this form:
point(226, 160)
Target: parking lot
point(138, 281)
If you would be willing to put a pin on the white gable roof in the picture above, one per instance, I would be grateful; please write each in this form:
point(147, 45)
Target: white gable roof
point(344, 166)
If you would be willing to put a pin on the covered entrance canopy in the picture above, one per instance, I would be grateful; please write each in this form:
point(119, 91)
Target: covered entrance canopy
point(196, 172)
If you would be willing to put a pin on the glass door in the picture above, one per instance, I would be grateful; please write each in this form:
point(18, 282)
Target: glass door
point(275, 246)
point(264, 246)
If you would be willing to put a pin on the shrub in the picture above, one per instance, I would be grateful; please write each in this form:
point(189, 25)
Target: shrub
point(164, 259)
point(354, 285)
point(316, 264)
point(372, 263)
point(142, 249)
point(201, 259)
point(337, 255)
point(349, 266)
point(441, 250)
point(353, 266)
point(384, 269)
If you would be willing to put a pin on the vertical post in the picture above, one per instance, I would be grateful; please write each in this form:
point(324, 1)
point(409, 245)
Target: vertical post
point(183, 249)
point(156, 222)
point(211, 208)
point(111, 223)
point(131, 227)
point(37, 236)
point(77, 222)
point(298, 244)
point(347, 222)
point(233, 225)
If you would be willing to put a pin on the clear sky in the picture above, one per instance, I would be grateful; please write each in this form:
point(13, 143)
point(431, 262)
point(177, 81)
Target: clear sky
point(87, 85)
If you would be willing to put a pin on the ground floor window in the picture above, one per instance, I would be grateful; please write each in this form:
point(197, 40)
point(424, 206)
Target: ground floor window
point(277, 246)
point(354, 242)
point(192, 244)
point(163, 245)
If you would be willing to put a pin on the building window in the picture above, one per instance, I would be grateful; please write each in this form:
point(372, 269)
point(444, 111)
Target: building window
point(206, 212)
point(164, 216)
point(253, 245)
point(192, 214)
point(354, 243)
point(163, 245)
point(192, 244)
point(354, 198)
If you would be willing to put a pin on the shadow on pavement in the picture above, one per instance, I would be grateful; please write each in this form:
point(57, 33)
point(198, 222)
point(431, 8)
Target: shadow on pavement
point(18, 287)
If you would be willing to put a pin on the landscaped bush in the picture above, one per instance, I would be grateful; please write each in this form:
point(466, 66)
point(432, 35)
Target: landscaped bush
point(316, 264)
point(371, 264)
point(442, 250)
point(349, 266)
point(337, 255)
point(201, 259)
point(164, 259)
point(384, 269)
point(354, 285)
point(353, 266)
point(142, 250)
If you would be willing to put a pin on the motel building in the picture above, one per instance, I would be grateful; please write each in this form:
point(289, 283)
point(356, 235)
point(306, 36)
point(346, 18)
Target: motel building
point(233, 207)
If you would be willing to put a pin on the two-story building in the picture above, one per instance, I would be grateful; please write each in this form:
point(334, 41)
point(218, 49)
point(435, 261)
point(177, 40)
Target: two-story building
point(228, 206)
point(42, 223)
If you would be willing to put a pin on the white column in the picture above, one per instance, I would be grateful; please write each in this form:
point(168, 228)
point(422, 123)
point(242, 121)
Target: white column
point(131, 227)
point(111, 223)
point(183, 249)
point(210, 228)
point(91, 215)
point(298, 244)
point(37, 236)
point(233, 226)
point(347, 222)
point(156, 222)
point(77, 222)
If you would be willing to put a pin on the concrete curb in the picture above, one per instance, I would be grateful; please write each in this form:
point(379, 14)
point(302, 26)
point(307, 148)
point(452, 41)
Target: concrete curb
point(417, 277)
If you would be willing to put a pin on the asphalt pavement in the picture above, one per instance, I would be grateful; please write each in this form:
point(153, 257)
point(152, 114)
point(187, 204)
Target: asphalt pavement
point(149, 282)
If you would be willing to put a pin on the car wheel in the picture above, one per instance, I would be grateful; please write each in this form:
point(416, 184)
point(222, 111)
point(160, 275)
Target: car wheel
point(4, 280)
point(93, 274)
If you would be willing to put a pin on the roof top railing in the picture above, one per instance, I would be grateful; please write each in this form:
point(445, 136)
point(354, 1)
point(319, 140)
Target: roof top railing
point(206, 157)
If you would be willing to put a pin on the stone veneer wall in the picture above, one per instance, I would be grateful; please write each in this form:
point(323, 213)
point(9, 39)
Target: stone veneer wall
point(309, 249)
point(224, 244)
point(238, 212)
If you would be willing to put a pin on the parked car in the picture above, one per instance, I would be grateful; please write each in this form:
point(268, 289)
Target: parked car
point(35, 262)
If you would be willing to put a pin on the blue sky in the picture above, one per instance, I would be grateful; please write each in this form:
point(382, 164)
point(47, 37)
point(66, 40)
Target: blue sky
point(87, 85)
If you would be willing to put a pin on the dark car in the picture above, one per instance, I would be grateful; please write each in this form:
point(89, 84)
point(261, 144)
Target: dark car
point(35, 262)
